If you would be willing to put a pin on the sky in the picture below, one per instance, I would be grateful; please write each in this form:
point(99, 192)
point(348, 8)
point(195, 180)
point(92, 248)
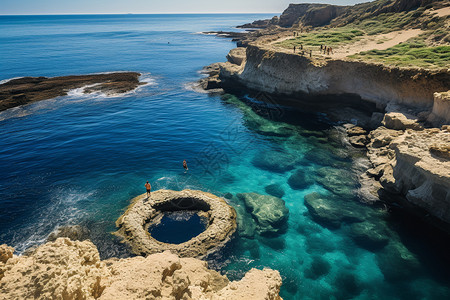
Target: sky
point(25, 7)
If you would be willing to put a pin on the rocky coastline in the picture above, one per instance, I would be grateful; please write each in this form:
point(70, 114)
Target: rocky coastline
point(67, 269)
point(27, 90)
point(405, 132)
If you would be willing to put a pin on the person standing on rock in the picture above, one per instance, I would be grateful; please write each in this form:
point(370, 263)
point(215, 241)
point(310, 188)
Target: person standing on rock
point(148, 187)
point(294, 49)
point(185, 165)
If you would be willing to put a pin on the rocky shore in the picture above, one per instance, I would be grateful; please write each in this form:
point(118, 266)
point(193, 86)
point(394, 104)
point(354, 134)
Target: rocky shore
point(27, 90)
point(66, 269)
point(407, 109)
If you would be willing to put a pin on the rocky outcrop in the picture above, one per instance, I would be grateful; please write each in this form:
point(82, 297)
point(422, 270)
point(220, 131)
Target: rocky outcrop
point(441, 109)
point(67, 269)
point(236, 56)
point(269, 212)
point(26, 90)
point(415, 164)
point(73, 232)
point(144, 212)
point(293, 75)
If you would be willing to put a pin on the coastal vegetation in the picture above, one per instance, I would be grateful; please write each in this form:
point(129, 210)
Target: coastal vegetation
point(409, 54)
point(330, 37)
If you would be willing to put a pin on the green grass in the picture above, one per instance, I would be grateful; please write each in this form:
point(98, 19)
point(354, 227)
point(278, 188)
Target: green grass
point(410, 54)
point(388, 22)
point(330, 37)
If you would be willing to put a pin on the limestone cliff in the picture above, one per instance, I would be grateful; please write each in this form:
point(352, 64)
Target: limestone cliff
point(284, 73)
point(67, 269)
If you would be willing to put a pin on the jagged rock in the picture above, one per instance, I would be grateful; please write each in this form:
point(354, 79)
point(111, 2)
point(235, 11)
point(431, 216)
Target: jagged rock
point(6, 253)
point(382, 137)
point(67, 269)
point(300, 180)
point(275, 161)
point(330, 212)
point(274, 190)
point(75, 233)
point(420, 175)
point(359, 141)
point(144, 212)
point(236, 56)
point(441, 150)
point(337, 181)
point(356, 130)
point(401, 121)
point(269, 212)
point(369, 236)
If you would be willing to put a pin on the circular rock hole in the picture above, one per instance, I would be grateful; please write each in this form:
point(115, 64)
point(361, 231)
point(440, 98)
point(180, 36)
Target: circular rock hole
point(178, 227)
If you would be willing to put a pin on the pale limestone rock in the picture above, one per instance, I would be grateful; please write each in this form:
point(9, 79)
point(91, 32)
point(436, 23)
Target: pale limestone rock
point(415, 164)
point(401, 121)
point(63, 269)
point(6, 253)
point(441, 109)
point(67, 269)
point(144, 212)
point(266, 282)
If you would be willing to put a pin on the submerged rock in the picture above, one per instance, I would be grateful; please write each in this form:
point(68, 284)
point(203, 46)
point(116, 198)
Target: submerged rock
point(73, 270)
point(369, 236)
point(300, 180)
point(269, 212)
point(338, 181)
point(396, 262)
point(319, 267)
point(275, 161)
point(246, 225)
point(274, 190)
point(330, 212)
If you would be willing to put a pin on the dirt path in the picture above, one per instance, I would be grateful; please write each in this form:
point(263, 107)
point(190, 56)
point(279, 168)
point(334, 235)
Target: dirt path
point(379, 42)
point(376, 42)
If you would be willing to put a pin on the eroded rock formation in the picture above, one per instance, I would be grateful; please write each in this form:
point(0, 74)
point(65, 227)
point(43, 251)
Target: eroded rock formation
point(26, 90)
point(144, 212)
point(67, 269)
point(415, 164)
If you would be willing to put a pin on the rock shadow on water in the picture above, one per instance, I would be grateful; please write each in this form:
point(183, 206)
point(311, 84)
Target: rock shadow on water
point(347, 285)
point(319, 267)
point(300, 179)
point(274, 190)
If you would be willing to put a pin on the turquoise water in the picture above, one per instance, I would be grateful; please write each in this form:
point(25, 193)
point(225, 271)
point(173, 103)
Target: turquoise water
point(80, 159)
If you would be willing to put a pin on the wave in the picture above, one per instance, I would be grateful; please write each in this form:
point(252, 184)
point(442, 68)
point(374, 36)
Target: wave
point(61, 211)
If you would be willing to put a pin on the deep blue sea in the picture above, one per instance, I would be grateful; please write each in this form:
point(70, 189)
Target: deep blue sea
point(79, 159)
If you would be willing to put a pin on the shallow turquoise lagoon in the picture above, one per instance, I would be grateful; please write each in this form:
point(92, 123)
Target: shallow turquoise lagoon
point(80, 159)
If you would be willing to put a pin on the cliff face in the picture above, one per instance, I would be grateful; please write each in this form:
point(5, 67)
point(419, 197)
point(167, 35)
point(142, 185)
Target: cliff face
point(67, 269)
point(310, 14)
point(289, 74)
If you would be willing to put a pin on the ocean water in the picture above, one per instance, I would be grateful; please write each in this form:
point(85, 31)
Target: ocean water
point(79, 159)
